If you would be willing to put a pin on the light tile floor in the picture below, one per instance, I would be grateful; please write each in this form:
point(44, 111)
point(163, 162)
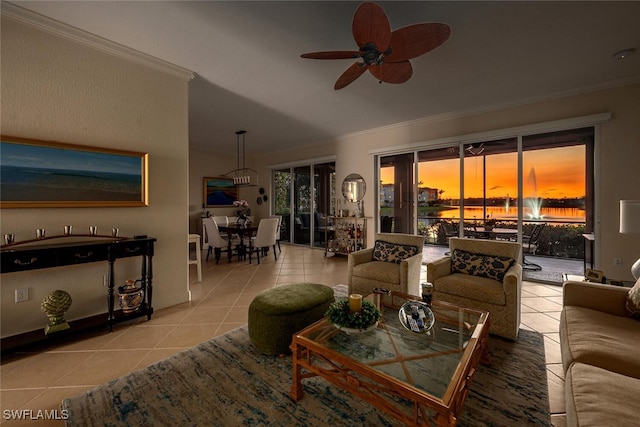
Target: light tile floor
point(39, 380)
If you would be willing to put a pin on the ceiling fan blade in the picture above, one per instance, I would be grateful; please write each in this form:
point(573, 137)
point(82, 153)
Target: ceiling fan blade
point(336, 54)
point(371, 25)
point(395, 72)
point(352, 73)
point(415, 40)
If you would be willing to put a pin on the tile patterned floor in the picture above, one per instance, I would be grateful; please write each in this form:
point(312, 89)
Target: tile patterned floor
point(38, 381)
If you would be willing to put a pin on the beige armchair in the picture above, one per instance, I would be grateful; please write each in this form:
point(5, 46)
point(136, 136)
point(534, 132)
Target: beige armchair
point(461, 279)
point(394, 265)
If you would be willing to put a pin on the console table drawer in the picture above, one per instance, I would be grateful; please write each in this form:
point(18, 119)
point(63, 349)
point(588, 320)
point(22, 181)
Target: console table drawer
point(83, 254)
point(131, 248)
point(26, 261)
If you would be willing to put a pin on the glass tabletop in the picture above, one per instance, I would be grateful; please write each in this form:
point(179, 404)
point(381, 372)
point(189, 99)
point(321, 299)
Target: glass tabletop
point(428, 360)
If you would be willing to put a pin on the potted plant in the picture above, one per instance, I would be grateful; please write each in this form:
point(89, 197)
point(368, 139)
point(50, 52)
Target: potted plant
point(343, 318)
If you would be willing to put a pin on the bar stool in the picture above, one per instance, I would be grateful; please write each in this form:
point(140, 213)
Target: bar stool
point(195, 238)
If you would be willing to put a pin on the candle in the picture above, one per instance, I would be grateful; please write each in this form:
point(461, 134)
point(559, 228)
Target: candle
point(355, 303)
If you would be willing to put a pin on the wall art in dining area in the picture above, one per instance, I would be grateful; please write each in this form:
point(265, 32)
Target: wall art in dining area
point(219, 192)
point(36, 173)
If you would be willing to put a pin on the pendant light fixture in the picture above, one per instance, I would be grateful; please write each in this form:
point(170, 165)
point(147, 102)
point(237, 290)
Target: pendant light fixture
point(242, 175)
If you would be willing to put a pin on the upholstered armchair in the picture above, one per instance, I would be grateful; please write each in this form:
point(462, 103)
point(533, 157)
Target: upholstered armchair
point(393, 263)
point(485, 275)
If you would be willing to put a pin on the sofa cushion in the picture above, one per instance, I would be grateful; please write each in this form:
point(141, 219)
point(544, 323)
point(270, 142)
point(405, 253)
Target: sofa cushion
point(393, 252)
point(633, 301)
point(600, 339)
point(596, 397)
point(472, 287)
point(492, 267)
point(381, 271)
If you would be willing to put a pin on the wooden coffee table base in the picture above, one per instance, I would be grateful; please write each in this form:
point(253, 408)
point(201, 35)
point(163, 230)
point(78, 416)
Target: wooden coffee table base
point(383, 391)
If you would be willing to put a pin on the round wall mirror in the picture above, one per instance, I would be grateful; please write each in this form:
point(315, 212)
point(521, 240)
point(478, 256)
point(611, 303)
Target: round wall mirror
point(353, 188)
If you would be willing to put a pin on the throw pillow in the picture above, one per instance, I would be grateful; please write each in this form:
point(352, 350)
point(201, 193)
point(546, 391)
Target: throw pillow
point(493, 267)
point(633, 301)
point(393, 252)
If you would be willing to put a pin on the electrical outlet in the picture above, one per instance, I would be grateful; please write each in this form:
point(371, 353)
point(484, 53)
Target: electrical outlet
point(617, 262)
point(22, 295)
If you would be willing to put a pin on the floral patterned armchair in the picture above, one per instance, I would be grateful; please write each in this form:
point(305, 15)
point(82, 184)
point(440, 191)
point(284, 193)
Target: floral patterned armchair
point(485, 275)
point(393, 263)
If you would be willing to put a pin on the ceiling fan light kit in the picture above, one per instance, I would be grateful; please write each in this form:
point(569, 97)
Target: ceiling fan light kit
point(384, 53)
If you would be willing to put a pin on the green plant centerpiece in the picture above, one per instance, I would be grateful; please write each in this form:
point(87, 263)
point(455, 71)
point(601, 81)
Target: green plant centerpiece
point(341, 316)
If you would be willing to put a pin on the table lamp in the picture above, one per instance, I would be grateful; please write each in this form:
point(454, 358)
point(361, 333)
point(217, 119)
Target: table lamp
point(630, 224)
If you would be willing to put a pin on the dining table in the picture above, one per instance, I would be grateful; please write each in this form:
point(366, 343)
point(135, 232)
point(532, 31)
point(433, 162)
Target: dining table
point(495, 233)
point(242, 232)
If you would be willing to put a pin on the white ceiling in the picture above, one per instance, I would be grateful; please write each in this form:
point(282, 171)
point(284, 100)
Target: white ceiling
point(250, 75)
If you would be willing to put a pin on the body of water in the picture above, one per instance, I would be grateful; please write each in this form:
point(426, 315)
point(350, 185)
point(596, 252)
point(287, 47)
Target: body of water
point(511, 214)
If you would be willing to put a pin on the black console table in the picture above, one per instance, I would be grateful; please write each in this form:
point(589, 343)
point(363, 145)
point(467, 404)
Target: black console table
point(68, 250)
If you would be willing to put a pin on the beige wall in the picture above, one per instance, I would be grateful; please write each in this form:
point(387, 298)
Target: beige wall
point(616, 174)
point(55, 89)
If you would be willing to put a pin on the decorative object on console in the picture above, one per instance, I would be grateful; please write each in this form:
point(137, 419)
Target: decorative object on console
point(130, 296)
point(242, 175)
point(630, 224)
point(52, 174)
point(54, 306)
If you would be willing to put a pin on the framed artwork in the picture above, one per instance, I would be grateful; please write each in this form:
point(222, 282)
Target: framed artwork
point(219, 192)
point(45, 174)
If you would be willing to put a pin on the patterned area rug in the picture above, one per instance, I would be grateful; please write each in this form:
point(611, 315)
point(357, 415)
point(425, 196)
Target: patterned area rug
point(224, 382)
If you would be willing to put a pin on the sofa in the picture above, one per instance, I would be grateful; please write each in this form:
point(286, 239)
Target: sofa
point(600, 345)
point(482, 274)
point(393, 263)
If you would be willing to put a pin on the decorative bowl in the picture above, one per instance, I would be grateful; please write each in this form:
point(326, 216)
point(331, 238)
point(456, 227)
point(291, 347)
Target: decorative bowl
point(416, 317)
point(355, 330)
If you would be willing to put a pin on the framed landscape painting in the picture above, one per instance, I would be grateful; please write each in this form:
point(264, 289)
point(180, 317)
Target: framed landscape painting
point(53, 174)
point(219, 192)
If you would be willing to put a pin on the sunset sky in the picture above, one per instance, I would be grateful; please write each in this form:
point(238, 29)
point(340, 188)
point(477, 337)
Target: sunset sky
point(549, 173)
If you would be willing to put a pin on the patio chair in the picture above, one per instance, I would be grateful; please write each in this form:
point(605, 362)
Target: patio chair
point(530, 247)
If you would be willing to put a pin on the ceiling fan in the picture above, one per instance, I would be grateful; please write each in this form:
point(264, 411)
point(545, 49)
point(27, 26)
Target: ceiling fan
point(384, 53)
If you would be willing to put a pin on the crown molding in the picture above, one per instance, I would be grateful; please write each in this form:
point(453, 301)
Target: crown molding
point(51, 26)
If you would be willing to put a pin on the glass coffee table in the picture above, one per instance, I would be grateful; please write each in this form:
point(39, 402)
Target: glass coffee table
point(419, 378)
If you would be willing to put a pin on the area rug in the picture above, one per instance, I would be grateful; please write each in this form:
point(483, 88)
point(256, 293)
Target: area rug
point(225, 382)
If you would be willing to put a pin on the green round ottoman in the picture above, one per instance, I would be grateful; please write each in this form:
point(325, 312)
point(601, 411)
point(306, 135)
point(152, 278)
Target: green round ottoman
point(276, 314)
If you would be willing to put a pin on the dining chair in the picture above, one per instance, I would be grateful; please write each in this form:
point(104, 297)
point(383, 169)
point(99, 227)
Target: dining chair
point(214, 239)
point(221, 220)
point(279, 218)
point(265, 237)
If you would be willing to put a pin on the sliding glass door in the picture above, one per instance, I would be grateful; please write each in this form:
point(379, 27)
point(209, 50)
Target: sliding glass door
point(304, 196)
point(483, 188)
